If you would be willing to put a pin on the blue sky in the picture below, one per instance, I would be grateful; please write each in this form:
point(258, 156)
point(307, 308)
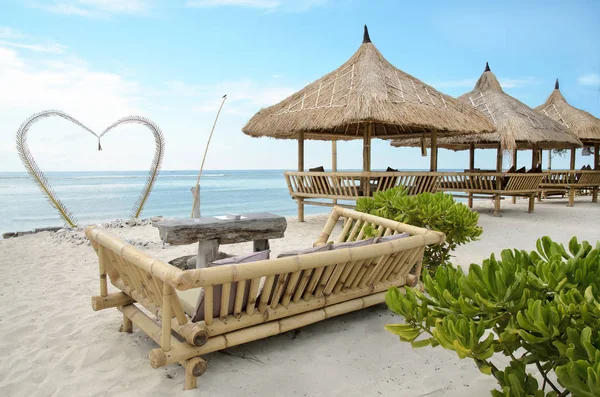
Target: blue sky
point(171, 61)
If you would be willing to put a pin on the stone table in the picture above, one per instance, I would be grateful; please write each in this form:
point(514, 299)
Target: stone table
point(209, 232)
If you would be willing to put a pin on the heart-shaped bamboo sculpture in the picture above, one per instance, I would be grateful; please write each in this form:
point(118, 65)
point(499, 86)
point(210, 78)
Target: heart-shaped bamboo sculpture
point(40, 179)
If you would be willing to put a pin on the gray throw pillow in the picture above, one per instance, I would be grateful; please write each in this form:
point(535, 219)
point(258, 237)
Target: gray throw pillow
point(218, 288)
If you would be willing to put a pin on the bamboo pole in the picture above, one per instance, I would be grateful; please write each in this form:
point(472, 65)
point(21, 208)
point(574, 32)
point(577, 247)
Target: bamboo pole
point(102, 269)
point(549, 159)
point(111, 300)
point(127, 325)
point(194, 367)
point(196, 188)
point(573, 153)
point(165, 340)
point(300, 169)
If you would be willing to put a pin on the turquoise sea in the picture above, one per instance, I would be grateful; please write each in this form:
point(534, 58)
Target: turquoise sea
point(98, 196)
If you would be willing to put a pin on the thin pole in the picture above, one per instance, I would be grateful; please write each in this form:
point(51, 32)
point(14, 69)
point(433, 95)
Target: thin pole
point(573, 151)
point(549, 159)
point(301, 169)
point(471, 156)
point(434, 152)
point(514, 164)
point(367, 157)
point(196, 189)
point(334, 161)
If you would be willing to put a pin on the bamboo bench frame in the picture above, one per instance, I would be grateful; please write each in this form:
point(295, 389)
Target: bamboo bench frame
point(354, 185)
point(492, 184)
point(570, 181)
point(310, 288)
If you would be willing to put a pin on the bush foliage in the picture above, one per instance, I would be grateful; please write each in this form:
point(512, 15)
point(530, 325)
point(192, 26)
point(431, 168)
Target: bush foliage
point(436, 211)
point(540, 309)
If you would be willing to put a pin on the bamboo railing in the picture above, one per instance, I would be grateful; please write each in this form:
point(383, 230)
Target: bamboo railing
point(571, 181)
point(296, 291)
point(353, 185)
point(519, 184)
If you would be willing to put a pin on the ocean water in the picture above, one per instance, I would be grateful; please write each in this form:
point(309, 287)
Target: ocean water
point(94, 197)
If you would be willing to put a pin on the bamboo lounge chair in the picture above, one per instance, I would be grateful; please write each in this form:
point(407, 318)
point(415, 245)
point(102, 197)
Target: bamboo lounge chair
point(296, 290)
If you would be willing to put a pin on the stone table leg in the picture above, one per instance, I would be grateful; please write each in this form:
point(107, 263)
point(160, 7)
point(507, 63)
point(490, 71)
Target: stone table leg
point(261, 245)
point(208, 250)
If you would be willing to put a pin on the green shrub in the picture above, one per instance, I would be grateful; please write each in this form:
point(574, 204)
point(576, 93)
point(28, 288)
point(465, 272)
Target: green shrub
point(436, 211)
point(540, 309)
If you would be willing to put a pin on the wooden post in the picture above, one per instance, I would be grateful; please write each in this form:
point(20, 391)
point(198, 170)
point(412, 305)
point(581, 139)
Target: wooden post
point(301, 169)
point(549, 159)
point(596, 167)
point(471, 167)
point(573, 153)
point(367, 158)
point(434, 152)
point(514, 164)
point(499, 158)
point(334, 161)
point(498, 197)
point(534, 163)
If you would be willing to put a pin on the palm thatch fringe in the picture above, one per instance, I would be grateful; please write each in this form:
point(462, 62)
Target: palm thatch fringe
point(365, 90)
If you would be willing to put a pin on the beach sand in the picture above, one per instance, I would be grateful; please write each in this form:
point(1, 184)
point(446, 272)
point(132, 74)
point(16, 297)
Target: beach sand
point(54, 344)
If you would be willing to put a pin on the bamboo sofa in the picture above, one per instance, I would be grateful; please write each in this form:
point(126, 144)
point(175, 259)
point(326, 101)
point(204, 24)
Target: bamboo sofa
point(258, 299)
point(569, 182)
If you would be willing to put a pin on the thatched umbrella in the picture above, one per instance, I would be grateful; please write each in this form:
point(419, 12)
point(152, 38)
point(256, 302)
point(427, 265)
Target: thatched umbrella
point(366, 97)
point(517, 125)
point(581, 123)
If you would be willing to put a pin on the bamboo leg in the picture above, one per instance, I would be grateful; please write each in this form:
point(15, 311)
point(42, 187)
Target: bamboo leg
point(531, 204)
point(300, 210)
point(194, 367)
point(165, 340)
point(571, 197)
point(594, 195)
point(127, 325)
point(497, 205)
point(470, 200)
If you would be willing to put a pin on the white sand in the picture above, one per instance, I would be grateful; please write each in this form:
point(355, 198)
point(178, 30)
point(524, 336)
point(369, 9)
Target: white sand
point(52, 343)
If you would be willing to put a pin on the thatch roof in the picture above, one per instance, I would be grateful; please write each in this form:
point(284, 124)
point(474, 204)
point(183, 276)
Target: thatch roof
point(581, 123)
point(366, 89)
point(517, 125)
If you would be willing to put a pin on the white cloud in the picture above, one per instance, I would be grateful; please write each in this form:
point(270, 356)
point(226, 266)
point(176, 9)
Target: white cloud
point(10, 37)
point(94, 8)
point(589, 79)
point(268, 5)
